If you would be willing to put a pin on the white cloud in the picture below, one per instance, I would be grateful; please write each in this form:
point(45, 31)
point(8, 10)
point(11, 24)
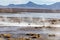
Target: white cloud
point(6, 2)
point(45, 1)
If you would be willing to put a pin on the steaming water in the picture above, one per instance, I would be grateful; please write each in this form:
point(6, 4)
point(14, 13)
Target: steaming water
point(15, 29)
point(44, 15)
point(26, 14)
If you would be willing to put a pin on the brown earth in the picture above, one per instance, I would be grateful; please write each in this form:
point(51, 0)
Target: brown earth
point(16, 10)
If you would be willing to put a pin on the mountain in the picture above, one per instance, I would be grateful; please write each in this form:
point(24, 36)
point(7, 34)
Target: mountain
point(34, 5)
point(29, 4)
point(55, 5)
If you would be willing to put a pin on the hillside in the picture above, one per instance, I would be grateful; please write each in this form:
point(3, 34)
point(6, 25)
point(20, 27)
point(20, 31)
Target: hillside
point(32, 5)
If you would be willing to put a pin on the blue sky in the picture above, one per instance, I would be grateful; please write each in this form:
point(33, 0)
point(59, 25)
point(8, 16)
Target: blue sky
point(7, 2)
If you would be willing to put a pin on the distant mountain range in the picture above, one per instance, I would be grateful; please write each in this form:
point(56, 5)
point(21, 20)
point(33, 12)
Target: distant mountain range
point(33, 5)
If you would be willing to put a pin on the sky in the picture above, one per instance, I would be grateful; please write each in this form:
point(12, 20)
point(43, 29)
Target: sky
point(7, 2)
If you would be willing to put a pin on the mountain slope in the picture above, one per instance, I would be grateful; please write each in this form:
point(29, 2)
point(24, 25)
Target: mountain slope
point(34, 5)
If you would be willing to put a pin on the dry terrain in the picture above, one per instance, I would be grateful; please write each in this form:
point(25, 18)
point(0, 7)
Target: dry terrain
point(17, 10)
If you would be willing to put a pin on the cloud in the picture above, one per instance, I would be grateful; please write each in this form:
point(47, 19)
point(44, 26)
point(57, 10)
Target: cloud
point(6, 2)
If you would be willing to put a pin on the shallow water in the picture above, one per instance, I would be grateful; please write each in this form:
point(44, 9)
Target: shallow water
point(43, 15)
point(43, 31)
